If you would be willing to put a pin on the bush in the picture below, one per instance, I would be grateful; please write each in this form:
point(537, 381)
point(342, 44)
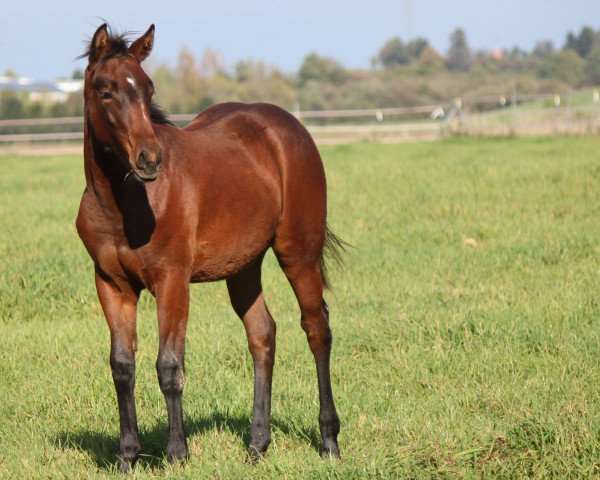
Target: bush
point(567, 66)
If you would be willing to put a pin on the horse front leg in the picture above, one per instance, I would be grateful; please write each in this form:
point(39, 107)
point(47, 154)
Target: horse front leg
point(172, 299)
point(119, 304)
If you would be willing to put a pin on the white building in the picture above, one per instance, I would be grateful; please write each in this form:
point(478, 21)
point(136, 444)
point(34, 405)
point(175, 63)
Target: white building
point(55, 91)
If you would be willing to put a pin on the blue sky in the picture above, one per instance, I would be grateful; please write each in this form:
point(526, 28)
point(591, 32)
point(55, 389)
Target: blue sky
point(40, 39)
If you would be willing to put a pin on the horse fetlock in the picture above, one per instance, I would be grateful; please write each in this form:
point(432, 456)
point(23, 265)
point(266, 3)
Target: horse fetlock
point(330, 449)
point(177, 451)
point(329, 423)
point(128, 455)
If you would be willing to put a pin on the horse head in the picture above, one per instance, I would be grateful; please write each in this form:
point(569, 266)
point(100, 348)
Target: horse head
point(118, 101)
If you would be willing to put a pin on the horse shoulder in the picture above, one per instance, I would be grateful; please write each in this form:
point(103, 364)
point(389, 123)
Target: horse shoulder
point(95, 233)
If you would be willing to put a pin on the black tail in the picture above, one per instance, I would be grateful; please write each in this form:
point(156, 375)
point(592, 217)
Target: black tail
point(332, 249)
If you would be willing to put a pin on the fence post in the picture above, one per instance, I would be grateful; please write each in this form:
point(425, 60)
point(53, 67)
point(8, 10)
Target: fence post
point(458, 104)
point(570, 111)
point(557, 101)
point(513, 109)
point(596, 101)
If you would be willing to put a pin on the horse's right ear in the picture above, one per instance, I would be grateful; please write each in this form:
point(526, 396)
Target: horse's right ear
point(100, 44)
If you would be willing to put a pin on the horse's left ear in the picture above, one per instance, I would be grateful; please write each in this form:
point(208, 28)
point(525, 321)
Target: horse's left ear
point(142, 47)
point(100, 44)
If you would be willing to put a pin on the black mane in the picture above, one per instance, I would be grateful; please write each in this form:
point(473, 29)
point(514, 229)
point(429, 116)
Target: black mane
point(159, 116)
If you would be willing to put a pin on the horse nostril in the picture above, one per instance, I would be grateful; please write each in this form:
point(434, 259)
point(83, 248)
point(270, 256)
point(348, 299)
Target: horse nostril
point(143, 160)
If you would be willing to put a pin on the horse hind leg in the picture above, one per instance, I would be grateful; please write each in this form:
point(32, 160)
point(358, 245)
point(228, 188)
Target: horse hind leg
point(245, 293)
point(306, 280)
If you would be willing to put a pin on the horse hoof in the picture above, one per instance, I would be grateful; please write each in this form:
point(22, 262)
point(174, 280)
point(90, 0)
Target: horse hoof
point(330, 450)
point(126, 466)
point(254, 455)
point(127, 458)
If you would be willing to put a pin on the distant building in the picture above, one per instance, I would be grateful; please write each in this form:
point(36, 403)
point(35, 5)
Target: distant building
point(56, 91)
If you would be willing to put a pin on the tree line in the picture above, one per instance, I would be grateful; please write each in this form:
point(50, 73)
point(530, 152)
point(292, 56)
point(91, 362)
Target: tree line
point(402, 73)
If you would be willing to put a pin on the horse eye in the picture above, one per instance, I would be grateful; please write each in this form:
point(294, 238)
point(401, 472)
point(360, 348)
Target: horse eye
point(106, 95)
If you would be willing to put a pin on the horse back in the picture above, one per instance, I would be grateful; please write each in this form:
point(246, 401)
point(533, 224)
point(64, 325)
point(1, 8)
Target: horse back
point(279, 137)
point(284, 160)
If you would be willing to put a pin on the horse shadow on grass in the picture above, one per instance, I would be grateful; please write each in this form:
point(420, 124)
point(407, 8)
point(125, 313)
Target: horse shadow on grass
point(103, 447)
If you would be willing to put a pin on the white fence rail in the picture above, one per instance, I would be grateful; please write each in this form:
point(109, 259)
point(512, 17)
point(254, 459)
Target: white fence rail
point(426, 122)
point(325, 133)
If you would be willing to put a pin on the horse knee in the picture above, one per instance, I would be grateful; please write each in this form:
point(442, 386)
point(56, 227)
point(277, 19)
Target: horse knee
point(122, 365)
point(170, 373)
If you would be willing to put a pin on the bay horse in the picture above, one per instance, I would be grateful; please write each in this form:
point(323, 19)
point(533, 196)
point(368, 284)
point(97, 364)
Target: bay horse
point(164, 207)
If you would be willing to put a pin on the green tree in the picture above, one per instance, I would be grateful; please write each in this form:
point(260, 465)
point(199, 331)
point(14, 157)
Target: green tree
point(543, 48)
point(189, 84)
point(393, 53)
point(458, 58)
point(430, 61)
point(582, 43)
point(34, 110)
point(11, 106)
point(592, 66)
point(396, 53)
point(246, 70)
point(567, 66)
point(59, 110)
point(416, 47)
point(321, 69)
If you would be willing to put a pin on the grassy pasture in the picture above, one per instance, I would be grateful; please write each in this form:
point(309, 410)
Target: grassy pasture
point(466, 324)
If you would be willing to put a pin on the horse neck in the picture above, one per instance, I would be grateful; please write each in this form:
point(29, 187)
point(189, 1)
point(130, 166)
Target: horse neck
point(123, 201)
point(104, 171)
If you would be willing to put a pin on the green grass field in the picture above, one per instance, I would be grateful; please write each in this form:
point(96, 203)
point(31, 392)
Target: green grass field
point(452, 359)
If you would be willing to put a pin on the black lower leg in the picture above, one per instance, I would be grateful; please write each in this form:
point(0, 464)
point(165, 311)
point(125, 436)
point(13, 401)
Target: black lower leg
point(170, 377)
point(329, 423)
point(123, 371)
point(245, 293)
point(260, 434)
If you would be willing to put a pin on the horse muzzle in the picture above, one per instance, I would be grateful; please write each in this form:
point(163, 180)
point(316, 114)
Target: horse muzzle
point(147, 164)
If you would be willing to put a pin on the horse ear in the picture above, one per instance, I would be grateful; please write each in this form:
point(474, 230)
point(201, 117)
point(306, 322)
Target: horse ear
point(100, 44)
point(142, 47)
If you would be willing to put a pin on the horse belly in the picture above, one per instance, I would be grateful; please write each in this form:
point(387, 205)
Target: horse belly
point(216, 261)
point(229, 244)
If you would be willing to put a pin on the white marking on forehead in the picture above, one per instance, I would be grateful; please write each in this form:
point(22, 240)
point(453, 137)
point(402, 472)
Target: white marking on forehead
point(131, 81)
